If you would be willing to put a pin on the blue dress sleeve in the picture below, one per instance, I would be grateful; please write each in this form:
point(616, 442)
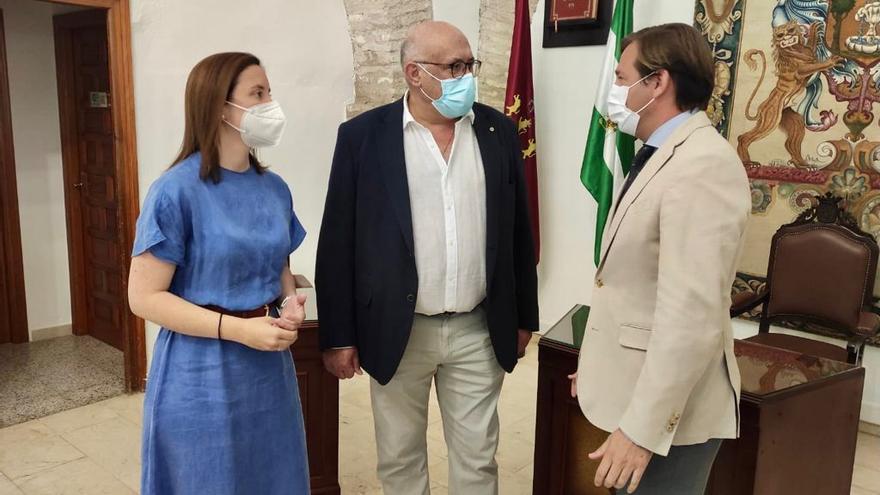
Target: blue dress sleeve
point(160, 228)
point(297, 231)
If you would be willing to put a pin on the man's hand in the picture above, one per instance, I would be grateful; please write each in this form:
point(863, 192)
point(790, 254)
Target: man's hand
point(622, 462)
point(342, 363)
point(523, 339)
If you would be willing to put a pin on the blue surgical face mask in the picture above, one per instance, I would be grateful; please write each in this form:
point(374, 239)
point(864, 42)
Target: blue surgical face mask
point(458, 95)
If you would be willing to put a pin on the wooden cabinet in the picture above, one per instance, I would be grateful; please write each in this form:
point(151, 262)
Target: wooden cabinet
point(563, 436)
point(319, 393)
point(798, 426)
point(799, 422)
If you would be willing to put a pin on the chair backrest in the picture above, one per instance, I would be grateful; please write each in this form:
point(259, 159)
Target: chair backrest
point(822, 268)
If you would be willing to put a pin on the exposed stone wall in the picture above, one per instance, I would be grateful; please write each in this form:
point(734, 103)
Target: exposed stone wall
point(377, 28)
point(496, 29)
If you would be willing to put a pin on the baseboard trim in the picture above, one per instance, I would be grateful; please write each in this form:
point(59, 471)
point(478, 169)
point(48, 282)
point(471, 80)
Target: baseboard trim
point(51, 332)
point(871, 415)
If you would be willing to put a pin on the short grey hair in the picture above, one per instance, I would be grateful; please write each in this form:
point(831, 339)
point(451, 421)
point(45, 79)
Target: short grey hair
point(406, 51)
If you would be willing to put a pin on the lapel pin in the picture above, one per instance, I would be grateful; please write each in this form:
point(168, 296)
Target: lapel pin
point(491, 129)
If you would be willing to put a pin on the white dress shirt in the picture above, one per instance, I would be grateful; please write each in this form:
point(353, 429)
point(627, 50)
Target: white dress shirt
point(448, 204)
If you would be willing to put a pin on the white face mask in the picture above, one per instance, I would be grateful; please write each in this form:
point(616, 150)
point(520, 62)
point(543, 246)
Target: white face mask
point(261, 125)
point(627, 120)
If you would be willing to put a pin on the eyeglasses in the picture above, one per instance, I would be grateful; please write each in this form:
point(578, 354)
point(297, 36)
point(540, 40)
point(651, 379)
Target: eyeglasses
point(459, 69)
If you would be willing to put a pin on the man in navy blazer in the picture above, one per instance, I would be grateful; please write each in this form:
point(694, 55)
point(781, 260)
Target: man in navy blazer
point(426, 265)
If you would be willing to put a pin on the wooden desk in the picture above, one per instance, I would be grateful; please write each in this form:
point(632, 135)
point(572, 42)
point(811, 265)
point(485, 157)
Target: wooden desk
point(319, 393)
point(799, 422)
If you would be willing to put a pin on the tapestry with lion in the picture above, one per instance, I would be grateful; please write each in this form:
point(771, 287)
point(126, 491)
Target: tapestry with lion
point(797, 84)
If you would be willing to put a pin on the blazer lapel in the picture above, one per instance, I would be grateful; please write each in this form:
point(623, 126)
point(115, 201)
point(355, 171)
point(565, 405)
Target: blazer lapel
point(654, 165)
point(393, 164)
point(491, 152)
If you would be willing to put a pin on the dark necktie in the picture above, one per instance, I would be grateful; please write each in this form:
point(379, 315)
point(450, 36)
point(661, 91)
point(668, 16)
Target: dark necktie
point(638, 164)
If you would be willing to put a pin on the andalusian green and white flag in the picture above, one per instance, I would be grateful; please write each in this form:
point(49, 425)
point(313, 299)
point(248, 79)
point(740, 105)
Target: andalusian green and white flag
point(609, 153)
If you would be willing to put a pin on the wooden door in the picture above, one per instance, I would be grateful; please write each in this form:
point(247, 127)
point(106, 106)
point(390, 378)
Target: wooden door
point(13, 312)
point(87, 140)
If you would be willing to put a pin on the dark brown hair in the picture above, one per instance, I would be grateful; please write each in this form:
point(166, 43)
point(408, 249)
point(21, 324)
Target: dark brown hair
point(680, 50)
point(209, 86)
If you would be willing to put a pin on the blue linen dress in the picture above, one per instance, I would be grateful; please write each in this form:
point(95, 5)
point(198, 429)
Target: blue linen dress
point(220, 417)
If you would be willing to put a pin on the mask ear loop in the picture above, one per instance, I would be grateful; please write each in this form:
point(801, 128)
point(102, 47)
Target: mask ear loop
point(628, 87)
point(247, 109)
point(639, 111)
point(230, 123)
point(426, 94)
point(420, 66)
point(239, 129)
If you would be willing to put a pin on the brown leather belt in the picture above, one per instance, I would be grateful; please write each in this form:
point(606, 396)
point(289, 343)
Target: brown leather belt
point(251, 313)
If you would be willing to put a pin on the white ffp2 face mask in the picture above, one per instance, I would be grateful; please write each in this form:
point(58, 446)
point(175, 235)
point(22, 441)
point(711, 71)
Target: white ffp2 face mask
point(627, 120)
point(262, 125)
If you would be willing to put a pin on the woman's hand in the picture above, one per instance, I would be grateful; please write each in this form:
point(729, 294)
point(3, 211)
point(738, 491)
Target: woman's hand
point(264, 333)
point(294, 311)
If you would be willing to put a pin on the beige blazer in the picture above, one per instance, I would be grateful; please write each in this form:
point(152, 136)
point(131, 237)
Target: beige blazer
point(657, 356)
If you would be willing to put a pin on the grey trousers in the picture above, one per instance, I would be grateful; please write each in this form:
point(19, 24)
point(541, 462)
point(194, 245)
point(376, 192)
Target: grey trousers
point(454, 354)
point(685, 471)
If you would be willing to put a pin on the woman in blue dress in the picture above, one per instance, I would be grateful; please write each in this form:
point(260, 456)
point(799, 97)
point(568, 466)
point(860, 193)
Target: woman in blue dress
point(222, 413)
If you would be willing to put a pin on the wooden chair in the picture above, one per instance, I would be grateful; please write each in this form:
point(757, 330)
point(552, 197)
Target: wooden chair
point(821, 270)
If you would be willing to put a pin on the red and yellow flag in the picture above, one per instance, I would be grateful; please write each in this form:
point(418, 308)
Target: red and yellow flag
point(519, 105)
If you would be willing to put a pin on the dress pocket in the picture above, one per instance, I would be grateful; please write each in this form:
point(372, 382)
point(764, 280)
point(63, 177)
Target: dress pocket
point(635, 337)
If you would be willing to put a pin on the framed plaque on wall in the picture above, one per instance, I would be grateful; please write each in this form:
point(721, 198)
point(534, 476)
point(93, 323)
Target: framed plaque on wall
point(576, 22)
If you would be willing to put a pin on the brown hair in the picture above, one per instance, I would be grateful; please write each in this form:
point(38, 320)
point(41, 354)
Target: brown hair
point(209, 86)
point(680, 50)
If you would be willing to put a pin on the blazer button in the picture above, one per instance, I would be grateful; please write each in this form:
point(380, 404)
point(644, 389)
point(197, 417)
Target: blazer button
point(599, 283)
point(410, 297)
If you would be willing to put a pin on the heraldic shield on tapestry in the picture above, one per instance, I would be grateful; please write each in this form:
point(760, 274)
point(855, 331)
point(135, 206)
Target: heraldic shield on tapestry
point(797, 93)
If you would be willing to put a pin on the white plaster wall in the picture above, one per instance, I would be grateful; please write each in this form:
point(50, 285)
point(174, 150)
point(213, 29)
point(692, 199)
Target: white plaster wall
point(463, 14)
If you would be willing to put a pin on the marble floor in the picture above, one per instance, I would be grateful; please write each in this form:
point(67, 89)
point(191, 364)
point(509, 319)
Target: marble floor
point(41, 378)
point(94, 449)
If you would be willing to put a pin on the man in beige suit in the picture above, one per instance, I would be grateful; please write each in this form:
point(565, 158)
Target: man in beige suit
point(657, 368)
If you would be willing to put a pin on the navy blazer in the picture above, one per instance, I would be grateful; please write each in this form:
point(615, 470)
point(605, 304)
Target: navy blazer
point(366, 278)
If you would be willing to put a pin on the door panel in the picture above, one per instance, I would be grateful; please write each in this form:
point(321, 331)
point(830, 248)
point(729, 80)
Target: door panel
point(87, 128)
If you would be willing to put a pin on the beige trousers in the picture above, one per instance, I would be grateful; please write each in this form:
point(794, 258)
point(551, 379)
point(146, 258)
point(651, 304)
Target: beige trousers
point(455, 353)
